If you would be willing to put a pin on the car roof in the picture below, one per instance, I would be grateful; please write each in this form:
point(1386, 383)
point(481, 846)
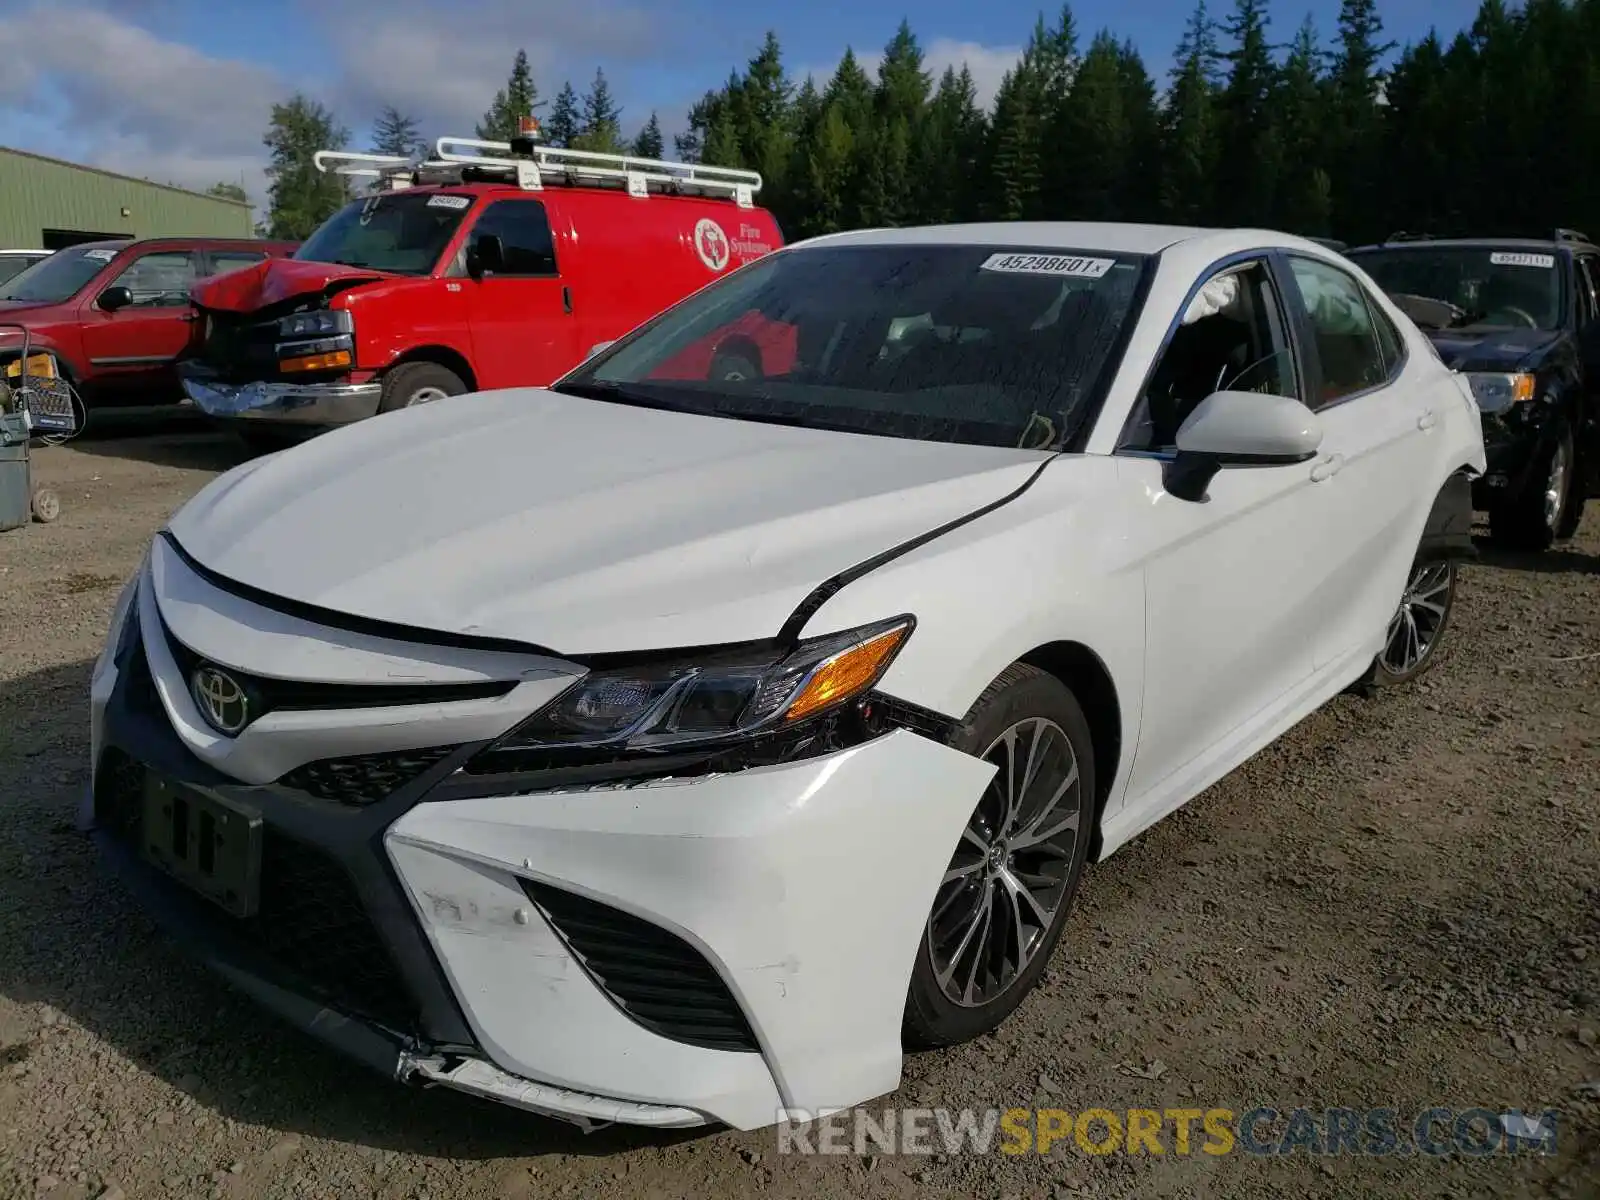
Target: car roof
point(180, 243)
point(1113, 237)
point(43, 253)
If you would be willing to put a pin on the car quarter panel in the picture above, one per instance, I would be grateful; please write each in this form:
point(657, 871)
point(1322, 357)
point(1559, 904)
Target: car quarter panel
point(766, 872)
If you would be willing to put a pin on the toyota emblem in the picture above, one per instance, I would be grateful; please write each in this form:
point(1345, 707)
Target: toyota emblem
point(222, 702)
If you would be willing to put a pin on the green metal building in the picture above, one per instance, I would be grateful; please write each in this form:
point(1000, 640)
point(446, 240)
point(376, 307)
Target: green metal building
point(46, 204)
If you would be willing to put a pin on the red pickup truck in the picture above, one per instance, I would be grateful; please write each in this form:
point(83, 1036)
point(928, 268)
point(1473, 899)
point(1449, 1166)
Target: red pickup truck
point(468, 272)
point(116, 314)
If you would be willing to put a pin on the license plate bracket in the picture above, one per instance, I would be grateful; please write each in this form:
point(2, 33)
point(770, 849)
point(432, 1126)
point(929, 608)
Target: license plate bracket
point(211, 845)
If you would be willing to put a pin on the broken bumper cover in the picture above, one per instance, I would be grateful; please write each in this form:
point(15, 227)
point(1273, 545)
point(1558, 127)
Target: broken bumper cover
point(798, 892)
point(317, 404)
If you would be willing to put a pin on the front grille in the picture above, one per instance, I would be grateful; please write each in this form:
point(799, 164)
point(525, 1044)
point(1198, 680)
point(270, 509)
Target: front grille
point(363, 779)
point(268, 695)
point(653, 976)
point(310, 921)
point(239, 347)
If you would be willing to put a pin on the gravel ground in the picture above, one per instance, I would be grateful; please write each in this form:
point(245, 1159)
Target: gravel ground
point(1397, 906)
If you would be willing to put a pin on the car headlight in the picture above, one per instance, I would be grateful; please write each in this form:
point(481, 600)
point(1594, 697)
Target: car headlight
point(709, 701)
point(116, 632)
point(320, 323)
point(1498, 391)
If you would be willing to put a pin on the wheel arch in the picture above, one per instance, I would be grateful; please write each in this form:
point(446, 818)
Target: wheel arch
point(443, 356)
point(1081, 670)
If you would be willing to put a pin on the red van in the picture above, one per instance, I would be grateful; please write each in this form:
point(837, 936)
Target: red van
point(476, 270)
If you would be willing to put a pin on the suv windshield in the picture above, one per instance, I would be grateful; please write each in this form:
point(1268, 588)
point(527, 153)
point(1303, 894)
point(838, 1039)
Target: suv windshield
point(987, 345)
point(403, 232)
point(59, 277)
point(1486, 287)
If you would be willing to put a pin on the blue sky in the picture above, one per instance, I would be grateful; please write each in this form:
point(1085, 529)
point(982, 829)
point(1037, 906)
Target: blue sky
point(179, 90)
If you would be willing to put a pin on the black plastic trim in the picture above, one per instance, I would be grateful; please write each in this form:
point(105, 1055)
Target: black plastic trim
point(1448, 532)
point(334, 619)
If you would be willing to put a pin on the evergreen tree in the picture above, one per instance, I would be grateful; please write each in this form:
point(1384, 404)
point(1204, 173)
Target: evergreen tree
point(230, 191)
point(300, 197)
point(563, 126)
point(1305, 202)
point(1248, 152)
point(600, 129)
point(649, 144)
point(1352, 117)
point(511, 103)
point(1189, 126)
point(395, 133)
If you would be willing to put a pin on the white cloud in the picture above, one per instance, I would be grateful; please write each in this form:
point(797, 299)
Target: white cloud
point(988, 64)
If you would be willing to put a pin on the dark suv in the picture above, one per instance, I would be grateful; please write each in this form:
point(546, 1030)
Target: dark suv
point(1520, 318)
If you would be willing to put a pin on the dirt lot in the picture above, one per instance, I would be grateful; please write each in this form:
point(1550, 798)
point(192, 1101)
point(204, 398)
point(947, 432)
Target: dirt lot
point(1398, 906)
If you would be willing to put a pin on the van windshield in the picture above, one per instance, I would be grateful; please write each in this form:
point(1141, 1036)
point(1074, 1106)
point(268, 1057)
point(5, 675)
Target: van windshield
point(988, 345)
point(403, 232)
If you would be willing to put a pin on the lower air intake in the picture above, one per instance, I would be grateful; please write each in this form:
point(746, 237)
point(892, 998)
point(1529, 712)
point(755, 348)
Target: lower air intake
point(653, 976)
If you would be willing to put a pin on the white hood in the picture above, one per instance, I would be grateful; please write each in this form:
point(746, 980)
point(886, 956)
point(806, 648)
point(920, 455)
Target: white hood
point(579, 525)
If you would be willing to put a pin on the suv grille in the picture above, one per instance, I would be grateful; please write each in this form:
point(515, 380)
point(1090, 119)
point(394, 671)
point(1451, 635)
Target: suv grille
point(654, 976)
point(310, 921)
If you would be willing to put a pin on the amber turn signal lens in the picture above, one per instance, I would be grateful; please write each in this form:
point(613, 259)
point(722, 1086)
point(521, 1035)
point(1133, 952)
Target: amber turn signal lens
point(845, 674)
point(317, 362)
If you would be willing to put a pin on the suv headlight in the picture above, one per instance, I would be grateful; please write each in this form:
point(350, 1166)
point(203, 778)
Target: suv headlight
point(319, 323)
point(711, 701)
point(1498, 391)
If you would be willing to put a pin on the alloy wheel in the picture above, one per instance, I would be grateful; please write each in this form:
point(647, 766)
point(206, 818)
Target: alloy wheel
point(1012, 868)
point(1555, 488)
point(1414, 629)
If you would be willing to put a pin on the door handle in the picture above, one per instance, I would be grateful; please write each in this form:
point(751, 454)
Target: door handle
point(566, 299)
point(1427, 420)
point(190, 317)
point(1327, 468)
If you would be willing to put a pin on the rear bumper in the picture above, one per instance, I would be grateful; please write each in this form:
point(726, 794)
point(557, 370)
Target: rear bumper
point(317, 404)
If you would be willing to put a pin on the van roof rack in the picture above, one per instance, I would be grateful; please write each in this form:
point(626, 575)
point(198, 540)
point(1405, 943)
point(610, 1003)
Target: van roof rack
point(457, 160)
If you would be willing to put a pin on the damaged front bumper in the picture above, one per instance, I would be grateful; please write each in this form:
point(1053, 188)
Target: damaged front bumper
point(313, 404)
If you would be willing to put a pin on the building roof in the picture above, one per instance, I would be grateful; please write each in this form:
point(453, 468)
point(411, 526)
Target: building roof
point(166, 187)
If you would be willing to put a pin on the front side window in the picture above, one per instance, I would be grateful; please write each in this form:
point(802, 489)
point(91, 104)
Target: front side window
point(977, 344)
point(524, 233)
point(57, 278)
point(1349, 348)
point(403, 232)
point(1469, 287)
point(159, 280)
point(1231, 337)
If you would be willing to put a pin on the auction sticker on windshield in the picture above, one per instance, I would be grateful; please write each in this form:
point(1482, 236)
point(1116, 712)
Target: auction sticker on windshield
point(99, 255)
point(1070, 265)
point(449, 201)
point(1507, 258)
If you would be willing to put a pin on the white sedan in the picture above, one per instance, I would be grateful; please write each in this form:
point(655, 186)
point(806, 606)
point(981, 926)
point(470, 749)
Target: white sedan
point(670, 750)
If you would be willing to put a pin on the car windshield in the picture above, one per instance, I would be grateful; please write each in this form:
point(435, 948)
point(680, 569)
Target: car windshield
point(403, 232)
point(989, 345)
point(59, 277)
point(1485, 287)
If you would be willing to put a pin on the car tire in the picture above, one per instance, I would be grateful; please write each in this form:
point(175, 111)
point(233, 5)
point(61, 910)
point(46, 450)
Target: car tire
point(733, 366)
point(415, 383)
point(1540, 513)
point(1411, 646)
point(962, 989)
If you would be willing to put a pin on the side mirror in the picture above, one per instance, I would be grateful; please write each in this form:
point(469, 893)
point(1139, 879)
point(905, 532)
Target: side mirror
point(1240, 429)
point(114, 298)
point(486, 256)
point(598, 348)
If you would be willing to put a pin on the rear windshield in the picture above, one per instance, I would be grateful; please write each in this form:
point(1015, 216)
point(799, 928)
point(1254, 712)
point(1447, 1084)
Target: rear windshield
point(403, 232)
point(988, 345)
point(59, 277)
point(1486, 287)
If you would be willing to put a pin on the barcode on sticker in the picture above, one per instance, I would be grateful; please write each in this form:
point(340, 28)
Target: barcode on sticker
point(1071, 265)
point(449, 201)
point(1508, 258)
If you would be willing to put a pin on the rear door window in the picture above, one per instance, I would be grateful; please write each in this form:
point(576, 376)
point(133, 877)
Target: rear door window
point(223, 261)
point(1344, 326)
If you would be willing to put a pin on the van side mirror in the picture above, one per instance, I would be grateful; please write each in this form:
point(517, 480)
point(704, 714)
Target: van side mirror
point(486, 256)
point(1240, 429)
point(114, 298)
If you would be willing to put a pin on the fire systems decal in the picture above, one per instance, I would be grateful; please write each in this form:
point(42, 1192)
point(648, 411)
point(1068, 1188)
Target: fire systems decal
point(711, 244)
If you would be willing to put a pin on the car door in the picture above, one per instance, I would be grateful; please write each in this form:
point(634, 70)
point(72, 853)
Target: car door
point(134, 350)
point(1589, 350)
point(1233, 583)
point(1378, 450)
point(523, 332)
